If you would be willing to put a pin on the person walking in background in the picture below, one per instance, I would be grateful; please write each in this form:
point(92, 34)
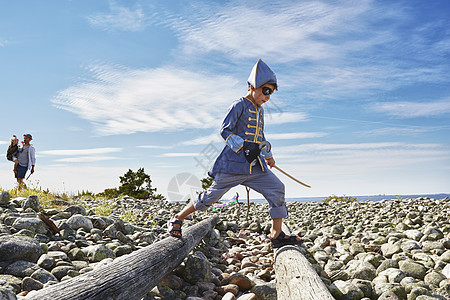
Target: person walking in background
point(13, 152)
point(243, 160)
point(26, 159)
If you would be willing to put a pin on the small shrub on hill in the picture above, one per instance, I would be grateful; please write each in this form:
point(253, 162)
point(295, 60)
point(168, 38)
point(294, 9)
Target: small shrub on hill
point(343, 198)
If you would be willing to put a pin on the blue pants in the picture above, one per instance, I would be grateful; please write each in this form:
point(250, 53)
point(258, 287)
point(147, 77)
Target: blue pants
point(265, 183)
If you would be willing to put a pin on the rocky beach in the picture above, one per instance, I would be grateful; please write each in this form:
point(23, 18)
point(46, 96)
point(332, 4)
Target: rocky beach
point(390, 249)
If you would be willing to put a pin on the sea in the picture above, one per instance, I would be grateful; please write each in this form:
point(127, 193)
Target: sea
point(359, 198)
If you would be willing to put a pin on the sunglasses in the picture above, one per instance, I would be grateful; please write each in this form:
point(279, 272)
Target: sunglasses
point(267, 90)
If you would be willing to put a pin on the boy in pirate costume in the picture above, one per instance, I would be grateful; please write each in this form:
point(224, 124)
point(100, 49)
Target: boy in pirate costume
point(242, 161)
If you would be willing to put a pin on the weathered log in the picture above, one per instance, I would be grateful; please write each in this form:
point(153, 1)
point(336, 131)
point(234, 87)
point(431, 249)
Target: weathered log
point(130, 276)
point(296, 279)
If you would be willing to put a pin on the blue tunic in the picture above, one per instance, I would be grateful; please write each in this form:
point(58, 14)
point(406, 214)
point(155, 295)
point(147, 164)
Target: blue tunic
point(244, 122)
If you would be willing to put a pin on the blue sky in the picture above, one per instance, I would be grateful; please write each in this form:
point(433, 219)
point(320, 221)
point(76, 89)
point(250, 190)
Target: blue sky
point(104, 86)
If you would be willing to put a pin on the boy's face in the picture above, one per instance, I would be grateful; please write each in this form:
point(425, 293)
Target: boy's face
point(262, 94)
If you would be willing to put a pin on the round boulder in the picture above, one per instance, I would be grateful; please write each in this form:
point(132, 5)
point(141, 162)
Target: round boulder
point(31, 202)
point(4, 198)
point(78, 221)
point(197, 268)
point(32, 224)
point(13, 248)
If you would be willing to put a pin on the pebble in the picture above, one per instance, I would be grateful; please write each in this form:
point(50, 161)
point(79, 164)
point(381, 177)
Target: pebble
point(392, 249)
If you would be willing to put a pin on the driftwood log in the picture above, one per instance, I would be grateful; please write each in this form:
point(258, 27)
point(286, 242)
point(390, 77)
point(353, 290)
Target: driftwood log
point(296, 278)
point(130, 276)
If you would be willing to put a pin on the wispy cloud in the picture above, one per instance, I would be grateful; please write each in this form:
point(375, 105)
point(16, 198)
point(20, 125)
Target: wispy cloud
point(204, 140)
point(179, 154)
point(119, 100)
point(86, 159)
point(413, 109)
point(332, 48)
point(231, 29)
point(119, 18)
point(82, 155)
point(3, 42)
point(77, 152)
point(154, 147)
point(393, 131)
point(364, 155)
point(295, 135)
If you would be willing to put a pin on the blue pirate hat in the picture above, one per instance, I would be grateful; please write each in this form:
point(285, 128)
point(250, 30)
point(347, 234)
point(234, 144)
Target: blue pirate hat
point(262, 74)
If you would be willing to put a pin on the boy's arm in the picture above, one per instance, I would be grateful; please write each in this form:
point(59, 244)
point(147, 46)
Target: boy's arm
point(233, 141)
point(264, 151)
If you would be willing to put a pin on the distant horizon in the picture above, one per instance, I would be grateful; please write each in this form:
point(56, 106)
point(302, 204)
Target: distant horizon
point(368, 197)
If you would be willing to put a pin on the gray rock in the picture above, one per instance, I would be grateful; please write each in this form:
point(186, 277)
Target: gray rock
point(396, 288)
point(446, 256)
point(431, 297)
point(364, 285)
point(122, 250)
point(76, 209)
point(30, 284)
point(6, 294)
point(344, 290)
point(338, 229)
point(446, 271)
point(197, 268)
point(46, 262)
point(97, 253)
point(61, 271)
point(390, 249)
point(265, 291)
point(389, 295)
point(434, 278)
point(413, 234)
point(13, 248)
point(57, 255)
point(43, 276)
point(365, 273)
point(413, 269)
point(21, 268)
point(34, 225)
point(31, 202)
point(388, 263)
point(428, 246)
point(76, 254)
point(416, 292)
point(110, 231)
point(4, 198)
point(10, 282)
point(78, 221)
point(4, 229)
point(410, 245)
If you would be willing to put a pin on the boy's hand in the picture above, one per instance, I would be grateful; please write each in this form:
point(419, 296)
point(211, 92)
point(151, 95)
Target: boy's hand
point(251, 151)
point(270, 162)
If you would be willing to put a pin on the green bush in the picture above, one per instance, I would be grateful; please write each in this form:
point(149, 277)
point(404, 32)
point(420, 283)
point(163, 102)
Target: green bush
point(134, 184)
point(343, 198)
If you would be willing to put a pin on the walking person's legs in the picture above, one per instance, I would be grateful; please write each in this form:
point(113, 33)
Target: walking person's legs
point(20, 175)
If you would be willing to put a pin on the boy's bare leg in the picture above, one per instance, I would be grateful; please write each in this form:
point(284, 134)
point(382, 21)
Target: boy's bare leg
point(186, 211)
point(276, 228)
